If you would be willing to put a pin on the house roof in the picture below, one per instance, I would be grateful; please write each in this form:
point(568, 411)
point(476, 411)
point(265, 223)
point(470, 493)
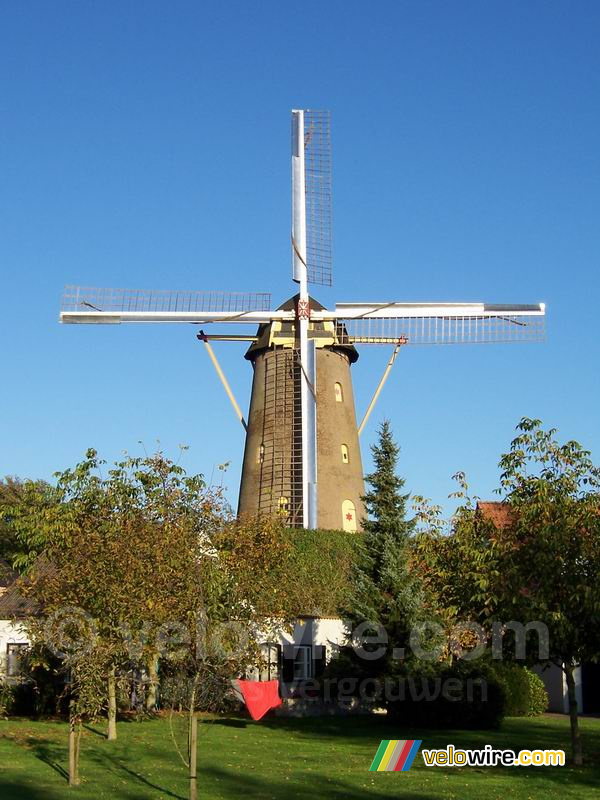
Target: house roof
point(7, 574)
point(14, 604)
point(496, 511)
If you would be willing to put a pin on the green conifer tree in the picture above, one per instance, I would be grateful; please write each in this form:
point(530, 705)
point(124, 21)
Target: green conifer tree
point(385, 591)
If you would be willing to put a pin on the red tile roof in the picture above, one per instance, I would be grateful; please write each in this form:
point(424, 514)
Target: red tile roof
point(498, 512)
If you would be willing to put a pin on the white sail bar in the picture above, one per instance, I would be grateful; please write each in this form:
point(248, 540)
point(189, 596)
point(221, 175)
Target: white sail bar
point(438, 323)
point(104, 305)
point(191, 317)
point(298, 202)
point(389, 310)
point(300, 275)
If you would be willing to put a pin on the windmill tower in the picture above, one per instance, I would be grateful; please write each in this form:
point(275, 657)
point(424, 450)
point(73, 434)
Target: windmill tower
point(302, 455)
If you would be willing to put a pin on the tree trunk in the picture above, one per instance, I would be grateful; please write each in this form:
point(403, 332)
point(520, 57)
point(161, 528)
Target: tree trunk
point(152, 691)
point(112, 704)
point(193, 741)
point(576, 750)
point(77, 747)
point(73, 752)
point(193, 756)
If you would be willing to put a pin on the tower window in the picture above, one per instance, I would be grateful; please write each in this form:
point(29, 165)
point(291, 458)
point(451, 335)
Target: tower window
point(284, 505)
point(260, 454)
point(339, 395)
point(348, 515)
point(345, 458)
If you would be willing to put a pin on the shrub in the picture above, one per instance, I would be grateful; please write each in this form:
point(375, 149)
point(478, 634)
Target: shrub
point(538, 696)
point(7, 699)
point(461, 696)
point(526, 695)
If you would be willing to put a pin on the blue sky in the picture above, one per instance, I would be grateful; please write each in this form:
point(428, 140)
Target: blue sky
point(146, 144)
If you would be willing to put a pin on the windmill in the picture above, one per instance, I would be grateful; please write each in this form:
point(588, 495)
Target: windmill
point(302, 455)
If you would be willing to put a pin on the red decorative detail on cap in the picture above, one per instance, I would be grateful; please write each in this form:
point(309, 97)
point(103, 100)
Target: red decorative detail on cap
point(303, 309)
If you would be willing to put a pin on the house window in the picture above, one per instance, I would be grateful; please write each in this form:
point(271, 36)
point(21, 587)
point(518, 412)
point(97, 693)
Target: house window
point(270, 657)
point(339, 395)
point(260, 454)
point(348, 515)
point(345, 458)
point(303, 663)
point(284, 505)
point(14, 659)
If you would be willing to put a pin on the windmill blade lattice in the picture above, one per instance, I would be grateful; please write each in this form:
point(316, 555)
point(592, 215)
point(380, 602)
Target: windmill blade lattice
point(475, 323)
point(79, 298)
point(317, 154)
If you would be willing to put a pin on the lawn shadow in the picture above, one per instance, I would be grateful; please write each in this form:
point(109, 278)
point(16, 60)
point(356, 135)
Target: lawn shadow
point(515, 734)
point(312, 786)
point(53, 755)
point(227, 723)
point(12, 790)
point(96, 732)
point(116, 765)
point(49, 753)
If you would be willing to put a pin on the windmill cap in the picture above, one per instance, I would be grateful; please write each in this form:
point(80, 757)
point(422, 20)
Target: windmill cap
point(291, 304)
point(287, 330)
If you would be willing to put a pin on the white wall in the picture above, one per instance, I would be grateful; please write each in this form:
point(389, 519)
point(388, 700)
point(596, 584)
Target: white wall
point(324, 632)
point(330, 633)
point(10, 633)
point(556, 686)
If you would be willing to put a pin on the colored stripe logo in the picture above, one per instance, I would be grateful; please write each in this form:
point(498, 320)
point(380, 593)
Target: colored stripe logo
point(395, 755)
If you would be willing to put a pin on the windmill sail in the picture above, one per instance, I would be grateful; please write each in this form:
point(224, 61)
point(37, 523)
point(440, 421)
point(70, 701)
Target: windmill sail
point(439, 323)
point(106, 305)
point(317, 166)
point(301, 144)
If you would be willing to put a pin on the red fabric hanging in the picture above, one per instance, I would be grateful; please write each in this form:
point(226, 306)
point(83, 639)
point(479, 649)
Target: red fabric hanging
point(260, 696)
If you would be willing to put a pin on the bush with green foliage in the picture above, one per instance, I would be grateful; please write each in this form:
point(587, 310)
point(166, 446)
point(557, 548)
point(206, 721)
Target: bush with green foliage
point(7, 699)
point(526, 694)
point(466, 695)
point(538, 696)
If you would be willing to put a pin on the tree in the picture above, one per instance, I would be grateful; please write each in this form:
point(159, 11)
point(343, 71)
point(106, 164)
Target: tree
point(541, 564)
point(17, 526)
point(247, 594)
point(385, 591)
point(549, 554)
point(146, 563)
point(121, 555)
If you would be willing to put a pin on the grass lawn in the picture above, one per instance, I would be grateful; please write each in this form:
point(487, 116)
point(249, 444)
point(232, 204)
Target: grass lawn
point(285, 758)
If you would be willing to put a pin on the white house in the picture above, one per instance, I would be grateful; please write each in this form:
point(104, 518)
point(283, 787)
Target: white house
point(13, 638)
